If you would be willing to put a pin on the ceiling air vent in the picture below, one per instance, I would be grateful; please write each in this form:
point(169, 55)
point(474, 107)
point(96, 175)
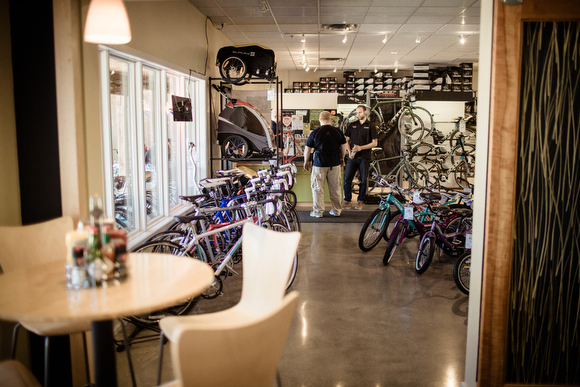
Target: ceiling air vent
point(339, 27)
point(332, 59)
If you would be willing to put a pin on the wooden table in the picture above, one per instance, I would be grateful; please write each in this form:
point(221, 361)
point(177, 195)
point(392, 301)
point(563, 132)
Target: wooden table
point(156, 281)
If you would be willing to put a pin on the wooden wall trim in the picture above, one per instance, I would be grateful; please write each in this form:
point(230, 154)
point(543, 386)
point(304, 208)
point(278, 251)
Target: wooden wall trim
point(498, 242)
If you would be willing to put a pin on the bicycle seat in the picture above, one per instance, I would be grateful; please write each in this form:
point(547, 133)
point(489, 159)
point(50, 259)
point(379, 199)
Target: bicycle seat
point(432, 196)
point(188, 219)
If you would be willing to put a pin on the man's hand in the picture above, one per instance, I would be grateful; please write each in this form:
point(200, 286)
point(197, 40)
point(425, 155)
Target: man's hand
point(307, 165)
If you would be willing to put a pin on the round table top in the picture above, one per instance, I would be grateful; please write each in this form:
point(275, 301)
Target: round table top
point(155, 281)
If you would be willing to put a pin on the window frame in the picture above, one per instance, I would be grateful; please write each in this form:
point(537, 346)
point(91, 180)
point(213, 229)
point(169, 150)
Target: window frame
point(194, 131)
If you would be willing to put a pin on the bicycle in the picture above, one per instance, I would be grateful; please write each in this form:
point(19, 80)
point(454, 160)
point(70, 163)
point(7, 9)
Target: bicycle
point(413, 223)
point(413, 172)
point(453, 243)
point(413, 122)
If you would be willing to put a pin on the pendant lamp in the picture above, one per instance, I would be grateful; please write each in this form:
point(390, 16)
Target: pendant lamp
point(107, 23)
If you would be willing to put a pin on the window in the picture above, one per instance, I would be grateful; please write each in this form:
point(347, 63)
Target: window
point(149, 159)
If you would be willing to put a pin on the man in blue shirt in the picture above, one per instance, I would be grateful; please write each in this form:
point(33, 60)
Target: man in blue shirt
point(361, 137)
point(328, 145)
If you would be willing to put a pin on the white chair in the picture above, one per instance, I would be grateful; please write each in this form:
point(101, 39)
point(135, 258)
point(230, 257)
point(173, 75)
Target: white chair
point(247, 339)
point(23, 246)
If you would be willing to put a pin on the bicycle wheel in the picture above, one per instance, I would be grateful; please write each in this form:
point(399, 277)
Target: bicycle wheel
point(176, 310)
point(462, 173)
point(374, 229)
point(294, 270)
point(411, 126)
point(427, 119)
point(414, 174)
point(234, 70)
point(423, 149)
point(393, 241)
point(462, 272)
point(235, 147)
point(436, 175)
point(425, 253)
point(465, 153)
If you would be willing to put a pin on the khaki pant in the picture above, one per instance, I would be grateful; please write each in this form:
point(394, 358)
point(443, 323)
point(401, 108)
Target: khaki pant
point(332, 175)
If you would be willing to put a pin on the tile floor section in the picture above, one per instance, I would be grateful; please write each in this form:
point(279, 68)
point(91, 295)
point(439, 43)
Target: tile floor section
point(358, 323)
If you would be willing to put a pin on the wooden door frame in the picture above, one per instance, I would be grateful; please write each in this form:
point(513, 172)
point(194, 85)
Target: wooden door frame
point(501, 175)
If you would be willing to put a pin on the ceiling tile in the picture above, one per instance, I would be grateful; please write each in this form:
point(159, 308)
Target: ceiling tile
point(416, 28)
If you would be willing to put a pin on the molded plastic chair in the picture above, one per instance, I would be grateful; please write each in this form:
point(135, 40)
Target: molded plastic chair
point(14, 374)
point(23, 246)
point(247, 339)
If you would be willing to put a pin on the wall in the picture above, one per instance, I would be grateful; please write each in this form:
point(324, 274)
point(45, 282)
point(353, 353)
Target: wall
point(9, 188)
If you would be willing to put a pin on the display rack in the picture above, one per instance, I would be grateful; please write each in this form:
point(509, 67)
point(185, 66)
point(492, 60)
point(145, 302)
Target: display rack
point(228, 163)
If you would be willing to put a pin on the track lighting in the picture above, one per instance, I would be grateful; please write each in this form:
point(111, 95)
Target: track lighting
point(418, 39)
point(462, 40)
point(385, 39)
point(303, 40)
point(303, 56)
point(345, 39)
point(307, 68)
point(304, 65)
point(334, 70)
point(396, 69)
point(376, 71)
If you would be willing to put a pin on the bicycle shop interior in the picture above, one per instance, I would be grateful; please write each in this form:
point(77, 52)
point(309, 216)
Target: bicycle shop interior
point(105, 122)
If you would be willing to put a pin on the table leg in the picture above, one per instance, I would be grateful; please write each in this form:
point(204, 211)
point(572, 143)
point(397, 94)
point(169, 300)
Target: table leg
point(104, 353)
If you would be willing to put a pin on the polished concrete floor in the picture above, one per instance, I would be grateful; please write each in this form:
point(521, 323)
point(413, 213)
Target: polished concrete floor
point(358, 323)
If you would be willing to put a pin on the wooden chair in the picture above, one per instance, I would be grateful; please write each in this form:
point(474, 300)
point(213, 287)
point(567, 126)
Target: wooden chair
point(23, 246)
point(247, 339)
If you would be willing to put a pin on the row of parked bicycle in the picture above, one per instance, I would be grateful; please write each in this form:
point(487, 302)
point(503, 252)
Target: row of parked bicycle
point(212, 230)
point(441, 218)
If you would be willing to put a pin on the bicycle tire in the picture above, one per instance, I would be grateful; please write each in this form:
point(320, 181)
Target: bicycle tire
point(175, 310)
point(374, 228)
point(462, 272)
point(294, 269)
point(234, 70)
point(427, 118)
point(411, 126)
point(391, 226)
point(392, 245)
point(423, 149)
point(425, 253)
point(436, 174)
point(413, 172)
point(461, 175)
point(467, 154)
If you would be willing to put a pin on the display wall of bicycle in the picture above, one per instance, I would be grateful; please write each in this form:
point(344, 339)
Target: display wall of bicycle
point(240, 129)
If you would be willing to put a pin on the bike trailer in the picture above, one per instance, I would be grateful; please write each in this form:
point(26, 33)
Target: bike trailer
point(260, 61)
point(241, 125)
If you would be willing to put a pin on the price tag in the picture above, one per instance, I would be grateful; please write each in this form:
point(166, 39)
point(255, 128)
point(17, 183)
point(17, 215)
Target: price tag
point(270, 208)
point(417, 197)
point(271, 94)
point(408, 213)
point(462, 125)
point(468, 241)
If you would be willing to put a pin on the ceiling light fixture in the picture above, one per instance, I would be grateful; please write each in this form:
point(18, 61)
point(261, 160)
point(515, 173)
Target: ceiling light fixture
point(376, 71)
point(418, 39)
point(304, 64)
point(462, 40)
point(308, 68)
point(345, 39)
point(463, 20)
point(334, 70)
point(303, 56)
point(316, 68)
point(107, 22)
point(396, 69)
point(303, 40)
point(385, 39)
point(265, 6)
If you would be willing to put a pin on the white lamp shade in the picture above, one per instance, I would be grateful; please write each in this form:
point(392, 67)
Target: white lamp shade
point(107, 23)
